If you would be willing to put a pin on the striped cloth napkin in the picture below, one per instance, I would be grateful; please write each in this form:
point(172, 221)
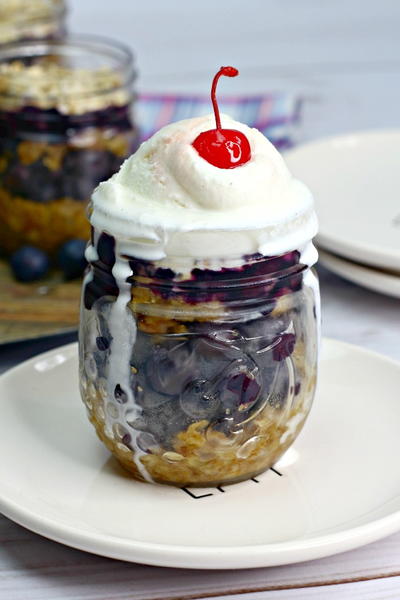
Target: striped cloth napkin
point(275, 115)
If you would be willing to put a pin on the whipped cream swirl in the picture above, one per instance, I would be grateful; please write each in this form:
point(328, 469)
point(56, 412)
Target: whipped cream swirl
point(168, 201)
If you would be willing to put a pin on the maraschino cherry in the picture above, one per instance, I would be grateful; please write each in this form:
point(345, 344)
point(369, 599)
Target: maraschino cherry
point(223, 148)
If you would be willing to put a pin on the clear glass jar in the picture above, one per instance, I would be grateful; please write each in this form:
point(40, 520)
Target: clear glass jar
point(65, 125)
point(31, 20)
point(197, 374)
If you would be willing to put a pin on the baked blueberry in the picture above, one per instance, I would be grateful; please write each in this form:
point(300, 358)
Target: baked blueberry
point(106, 249)
point(198, 400)
point(284, 346)
point(119, 394)
point(71, 258)
point(169, 369)
point(102, 342)
point(29, 263)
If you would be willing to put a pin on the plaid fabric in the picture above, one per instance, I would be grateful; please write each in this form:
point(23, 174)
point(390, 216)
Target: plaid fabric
point(275, 115)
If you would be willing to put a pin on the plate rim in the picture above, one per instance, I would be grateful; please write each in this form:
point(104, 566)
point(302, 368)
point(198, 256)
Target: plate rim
point(200, 557)
point(342, 266)
point(370, 253)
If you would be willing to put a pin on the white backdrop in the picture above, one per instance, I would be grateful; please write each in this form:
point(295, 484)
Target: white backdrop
point(345, 54)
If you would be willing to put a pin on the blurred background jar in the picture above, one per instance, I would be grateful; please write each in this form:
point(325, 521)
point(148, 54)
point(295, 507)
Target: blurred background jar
point(31, 20)
point(65, 125)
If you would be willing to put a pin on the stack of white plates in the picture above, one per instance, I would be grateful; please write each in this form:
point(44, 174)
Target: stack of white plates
point(355, 179)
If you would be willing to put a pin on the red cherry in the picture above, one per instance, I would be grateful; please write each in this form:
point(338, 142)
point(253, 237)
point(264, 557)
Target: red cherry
point(223, 148)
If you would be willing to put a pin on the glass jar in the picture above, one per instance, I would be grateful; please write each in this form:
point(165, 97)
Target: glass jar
point(65, 125)
point(197, 373)
point(31, 20)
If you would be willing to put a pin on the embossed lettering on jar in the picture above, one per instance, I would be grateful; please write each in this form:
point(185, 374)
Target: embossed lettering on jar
point(219, 361)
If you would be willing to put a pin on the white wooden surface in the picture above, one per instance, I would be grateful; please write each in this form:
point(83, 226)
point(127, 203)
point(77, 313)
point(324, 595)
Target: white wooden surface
point(345, 57)
point(35, 568)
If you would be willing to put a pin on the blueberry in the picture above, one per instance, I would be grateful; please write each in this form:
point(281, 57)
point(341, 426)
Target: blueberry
point(262, 332)
point(149, 399)
point(78, 188)
point(35, 182)
point(84, 169)
point(142, 350)
point(169, 369)
point(145, 441)
point(127, 439)
point(115, 163)
point(17, 178)
point(29, 263)
point(86, 162)
point(284, 346)
point(120, 394)
point(239, 387)
point(166, 420)
point(242, 389)
point(106, 249)
point(71, 258)
point(44, 186)
point(215, 352)
point(102, 342)
point(198, 401)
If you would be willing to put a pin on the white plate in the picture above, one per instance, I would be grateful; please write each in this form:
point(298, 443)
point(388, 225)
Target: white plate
point(378, 281)
point(355, 180)
point(339, 488)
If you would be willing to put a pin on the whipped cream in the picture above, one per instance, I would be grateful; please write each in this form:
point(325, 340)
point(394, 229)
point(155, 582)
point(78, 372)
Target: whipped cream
point(166, 200)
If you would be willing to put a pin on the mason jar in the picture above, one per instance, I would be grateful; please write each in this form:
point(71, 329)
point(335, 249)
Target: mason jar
point(31, 20)
point(66, 124)
point(197, 372)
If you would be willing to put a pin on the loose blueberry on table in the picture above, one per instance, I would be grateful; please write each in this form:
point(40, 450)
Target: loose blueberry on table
point(29, 264)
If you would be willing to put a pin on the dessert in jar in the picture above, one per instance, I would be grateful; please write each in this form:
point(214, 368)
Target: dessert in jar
point(200, 310)
point(65, 125)
point(31, 20)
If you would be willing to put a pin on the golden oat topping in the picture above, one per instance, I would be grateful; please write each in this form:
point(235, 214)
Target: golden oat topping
point(29, 9)
point(202, 456)
point(47, 84)
point(29, 19)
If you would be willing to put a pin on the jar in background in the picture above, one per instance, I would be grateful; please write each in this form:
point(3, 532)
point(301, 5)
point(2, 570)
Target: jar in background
point(31, 20)
point(65, 125)
point(197, 372)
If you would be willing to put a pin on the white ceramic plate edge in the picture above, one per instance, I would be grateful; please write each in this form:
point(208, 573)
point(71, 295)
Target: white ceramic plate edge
point(383, 283)
point(371, 253)
point(194, 557)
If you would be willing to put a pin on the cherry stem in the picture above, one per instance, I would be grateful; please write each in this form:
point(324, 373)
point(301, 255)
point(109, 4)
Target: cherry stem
point(228, 72)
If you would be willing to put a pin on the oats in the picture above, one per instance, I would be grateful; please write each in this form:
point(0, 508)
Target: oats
point(172, 457)
point(47, 226)
point(30, 19)
point(48, 84)
point(204, 456)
